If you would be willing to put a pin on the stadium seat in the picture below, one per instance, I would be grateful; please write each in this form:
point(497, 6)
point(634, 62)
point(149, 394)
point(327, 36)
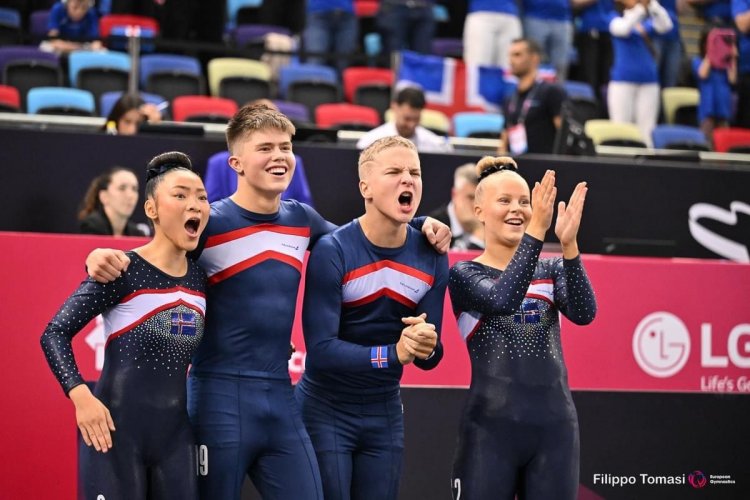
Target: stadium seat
point(731, 138)
point(223, 67)
point(109, 22)
point(346, 116)
point(122, 25)
point(679, 137)
point(27, 67)
point(295, 111)
point(313, 93)
point(470, 124)
point(305, 72)
point(606, 132)
point(200, 108)
point(10, 99)
point(242, 80)
point(234, 6)
point(376, 96)
point(99, 72)
point(356, 76)
point(171, 75)
point(579, 89)
point(366, 8)
point(676, 97)
point(10, 26)
point(38, 25)
point(60, 101)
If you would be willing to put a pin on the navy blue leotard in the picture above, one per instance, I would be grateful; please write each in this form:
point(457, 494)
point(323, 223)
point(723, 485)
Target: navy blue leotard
point(153, 323)
point(519, 429)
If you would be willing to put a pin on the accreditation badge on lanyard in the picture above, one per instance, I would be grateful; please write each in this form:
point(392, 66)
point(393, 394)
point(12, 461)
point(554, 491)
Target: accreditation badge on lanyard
point(517, 142)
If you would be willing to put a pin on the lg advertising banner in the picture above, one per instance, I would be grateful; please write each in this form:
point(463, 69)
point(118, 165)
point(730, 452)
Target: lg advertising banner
point(673, 325)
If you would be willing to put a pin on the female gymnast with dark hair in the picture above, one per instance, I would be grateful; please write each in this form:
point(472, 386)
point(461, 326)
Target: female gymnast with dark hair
point(137, 440)
point(519, 430)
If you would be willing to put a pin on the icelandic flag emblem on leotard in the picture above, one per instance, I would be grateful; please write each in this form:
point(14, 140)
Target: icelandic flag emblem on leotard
point(183, 323)
point(528, 313)
point(379, 356)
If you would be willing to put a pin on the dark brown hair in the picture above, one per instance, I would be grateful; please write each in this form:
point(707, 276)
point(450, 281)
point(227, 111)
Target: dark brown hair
point(91, 201)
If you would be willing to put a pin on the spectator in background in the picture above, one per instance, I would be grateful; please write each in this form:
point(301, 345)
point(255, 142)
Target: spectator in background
point(669, 48)
point(331, 29)
point(533, 113)
point(490, 27)
point(715, 85)
point(406, 25)
point(593, 41)
point(128, 113)
point(108, 204)
point(633, 94)
point(73, 24)
point(741, 14)
point(467, 232)
point(407, 112)
point(221, 180)
point(549, 23)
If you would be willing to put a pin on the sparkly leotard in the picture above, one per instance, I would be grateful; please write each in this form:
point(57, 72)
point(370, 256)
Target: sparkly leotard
point(519, 431)
point(153, 324)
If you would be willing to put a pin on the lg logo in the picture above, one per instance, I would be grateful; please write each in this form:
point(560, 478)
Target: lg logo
point(661, 344)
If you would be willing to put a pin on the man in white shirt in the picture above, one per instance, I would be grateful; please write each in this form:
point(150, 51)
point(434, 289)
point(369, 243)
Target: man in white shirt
point(407, 110)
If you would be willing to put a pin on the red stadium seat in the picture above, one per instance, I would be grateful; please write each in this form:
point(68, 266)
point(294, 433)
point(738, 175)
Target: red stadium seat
point(203, 108)
point(338, 114)
point(357, 76)
point(10, 98)
point(726, 139)
point(106, 23)
point(366, 8)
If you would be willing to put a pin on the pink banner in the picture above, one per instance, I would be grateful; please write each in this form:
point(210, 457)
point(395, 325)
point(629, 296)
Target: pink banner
point(663, 325)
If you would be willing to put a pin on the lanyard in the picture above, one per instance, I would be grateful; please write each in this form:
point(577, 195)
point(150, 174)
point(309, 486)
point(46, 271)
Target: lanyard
point(526, 103)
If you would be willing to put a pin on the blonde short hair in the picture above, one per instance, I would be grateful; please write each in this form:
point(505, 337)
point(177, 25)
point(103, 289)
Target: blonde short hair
point(373, 150)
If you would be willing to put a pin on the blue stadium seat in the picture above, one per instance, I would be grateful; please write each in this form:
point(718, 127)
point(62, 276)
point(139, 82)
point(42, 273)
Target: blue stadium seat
point(305, 72)
point(157, 63)
point(468, 124)
point(77, 101)
point(679, 137)
point(83, 59)
point(579, 89)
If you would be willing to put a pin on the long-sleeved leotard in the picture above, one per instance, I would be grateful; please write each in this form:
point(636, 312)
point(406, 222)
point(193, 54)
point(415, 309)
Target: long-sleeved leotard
point(356, 294)
point(153, 323)
point(240, 397)
point(519, 430)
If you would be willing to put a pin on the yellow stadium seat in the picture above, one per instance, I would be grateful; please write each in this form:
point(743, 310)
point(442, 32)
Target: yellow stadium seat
point(223, 67)
point(603, 131)
point(677, 97)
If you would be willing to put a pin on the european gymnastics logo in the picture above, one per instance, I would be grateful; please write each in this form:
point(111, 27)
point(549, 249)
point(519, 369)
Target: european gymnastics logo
point(697, 479)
